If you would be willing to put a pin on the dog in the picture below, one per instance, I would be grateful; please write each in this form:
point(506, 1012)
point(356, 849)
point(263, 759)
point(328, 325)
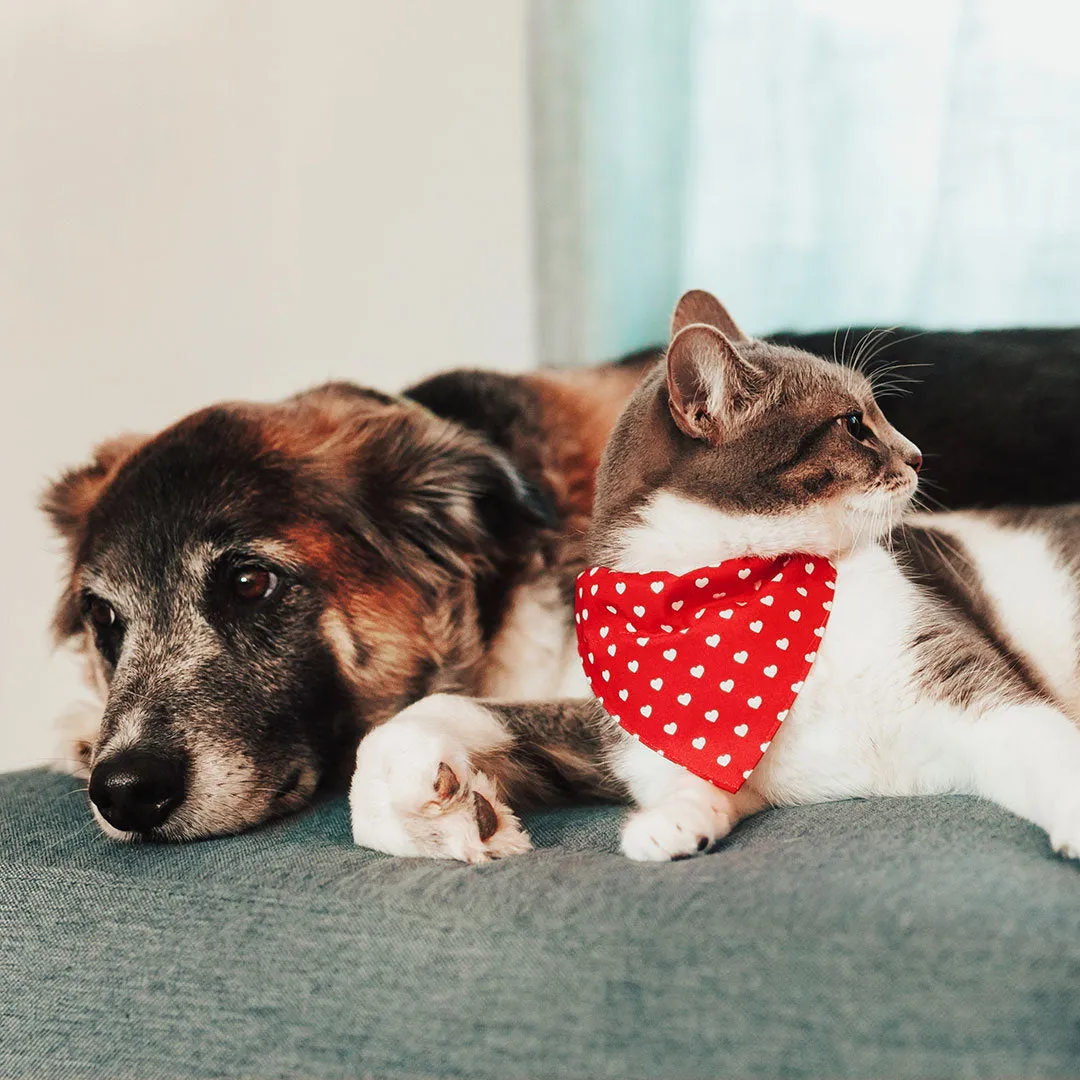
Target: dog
point(258, 588)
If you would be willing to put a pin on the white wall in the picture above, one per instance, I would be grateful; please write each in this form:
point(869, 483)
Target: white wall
point(205, 200)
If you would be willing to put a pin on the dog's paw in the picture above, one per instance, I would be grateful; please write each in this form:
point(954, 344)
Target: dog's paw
point(77, 730)
point(677, 828)
point(1066, 842)
point(416, 792)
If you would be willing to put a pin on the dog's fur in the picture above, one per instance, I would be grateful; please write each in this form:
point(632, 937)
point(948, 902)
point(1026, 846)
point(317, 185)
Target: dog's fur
point(424, 543)
point(414, 553)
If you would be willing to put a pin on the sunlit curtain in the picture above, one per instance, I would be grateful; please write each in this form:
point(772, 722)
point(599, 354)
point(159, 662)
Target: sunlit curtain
point(816, 163)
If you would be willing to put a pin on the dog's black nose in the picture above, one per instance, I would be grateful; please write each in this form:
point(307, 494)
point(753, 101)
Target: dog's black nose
point(136, 790)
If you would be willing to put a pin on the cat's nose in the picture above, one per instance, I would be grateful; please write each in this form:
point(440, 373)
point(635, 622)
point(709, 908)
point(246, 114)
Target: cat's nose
point(914, 460)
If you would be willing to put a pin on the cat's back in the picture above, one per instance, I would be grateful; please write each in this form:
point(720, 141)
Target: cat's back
point(1013, 574)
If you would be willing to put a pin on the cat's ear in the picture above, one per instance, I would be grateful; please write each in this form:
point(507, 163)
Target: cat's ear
point(709, 384)
point(698, 306)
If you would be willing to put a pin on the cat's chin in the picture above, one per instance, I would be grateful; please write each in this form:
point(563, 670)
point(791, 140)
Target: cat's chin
point(677, 534)
point(872, 515)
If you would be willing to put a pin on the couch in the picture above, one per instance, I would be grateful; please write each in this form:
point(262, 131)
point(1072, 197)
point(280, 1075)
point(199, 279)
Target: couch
point(878, 938)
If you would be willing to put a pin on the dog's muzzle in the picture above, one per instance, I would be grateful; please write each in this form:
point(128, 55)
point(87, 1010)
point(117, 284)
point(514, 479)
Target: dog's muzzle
point(137, 790)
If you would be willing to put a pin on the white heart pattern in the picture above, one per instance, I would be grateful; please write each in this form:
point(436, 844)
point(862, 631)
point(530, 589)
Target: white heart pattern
point(669, 697)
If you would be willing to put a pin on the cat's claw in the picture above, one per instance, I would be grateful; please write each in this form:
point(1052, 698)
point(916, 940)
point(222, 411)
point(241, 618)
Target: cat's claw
point(677, 829)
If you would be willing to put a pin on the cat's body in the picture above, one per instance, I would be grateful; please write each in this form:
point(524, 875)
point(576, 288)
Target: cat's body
point(949, 663)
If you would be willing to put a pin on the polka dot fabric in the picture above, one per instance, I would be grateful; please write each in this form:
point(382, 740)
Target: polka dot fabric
point(704, 667)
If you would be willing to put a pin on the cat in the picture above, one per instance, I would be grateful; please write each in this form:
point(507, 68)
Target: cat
point(949, 661)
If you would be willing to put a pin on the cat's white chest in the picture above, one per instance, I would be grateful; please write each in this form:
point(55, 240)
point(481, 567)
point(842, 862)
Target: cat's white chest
point(849, 730)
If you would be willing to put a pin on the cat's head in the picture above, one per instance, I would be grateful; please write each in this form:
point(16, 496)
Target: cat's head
point(735, 446)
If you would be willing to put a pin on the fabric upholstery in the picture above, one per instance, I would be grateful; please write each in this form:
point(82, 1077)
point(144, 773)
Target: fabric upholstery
point(900, 938)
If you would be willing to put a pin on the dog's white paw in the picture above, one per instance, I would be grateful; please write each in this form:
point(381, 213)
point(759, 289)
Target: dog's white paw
point(1066, 842)
point(416, 792)
point(677, 828)
point(77, 730)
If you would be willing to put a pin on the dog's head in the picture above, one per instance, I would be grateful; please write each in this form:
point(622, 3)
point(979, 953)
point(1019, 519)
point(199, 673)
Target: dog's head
point(257, 585)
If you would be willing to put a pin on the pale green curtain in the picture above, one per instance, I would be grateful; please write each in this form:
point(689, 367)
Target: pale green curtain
point(816, 163)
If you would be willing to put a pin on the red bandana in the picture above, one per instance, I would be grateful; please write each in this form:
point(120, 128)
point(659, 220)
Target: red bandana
point(703, 667)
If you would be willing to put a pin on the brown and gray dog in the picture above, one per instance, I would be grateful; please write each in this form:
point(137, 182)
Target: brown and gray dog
point(259, 586)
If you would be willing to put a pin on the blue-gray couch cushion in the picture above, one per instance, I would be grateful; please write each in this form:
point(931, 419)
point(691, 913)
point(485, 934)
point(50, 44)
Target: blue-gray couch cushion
point(934, 937)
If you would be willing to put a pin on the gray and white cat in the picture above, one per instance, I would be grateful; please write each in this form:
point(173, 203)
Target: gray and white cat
point(951, 662)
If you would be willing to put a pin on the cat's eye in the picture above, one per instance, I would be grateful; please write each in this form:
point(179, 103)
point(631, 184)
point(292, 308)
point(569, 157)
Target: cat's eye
point(852, 423)
point(250, 584)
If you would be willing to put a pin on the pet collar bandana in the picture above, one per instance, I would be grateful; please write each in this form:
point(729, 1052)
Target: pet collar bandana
point(703, 667)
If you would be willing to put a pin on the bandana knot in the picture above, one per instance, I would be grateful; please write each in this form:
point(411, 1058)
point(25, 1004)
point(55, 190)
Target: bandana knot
point(704, 667)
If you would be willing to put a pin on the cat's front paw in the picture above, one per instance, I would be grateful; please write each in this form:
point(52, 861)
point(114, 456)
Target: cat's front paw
point(415, 791)
point(677, 829)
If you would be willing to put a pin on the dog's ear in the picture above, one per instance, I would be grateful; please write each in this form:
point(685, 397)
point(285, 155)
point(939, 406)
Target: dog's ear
point(698, 306)
point(430, 488)
point(67, 503)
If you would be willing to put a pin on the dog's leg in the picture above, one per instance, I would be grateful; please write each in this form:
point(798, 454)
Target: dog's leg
point(438, 780)
point(77, 730)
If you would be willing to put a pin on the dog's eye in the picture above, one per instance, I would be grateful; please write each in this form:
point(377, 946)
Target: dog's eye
point(102, 613)
point(852, 423)
point(251, 583)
